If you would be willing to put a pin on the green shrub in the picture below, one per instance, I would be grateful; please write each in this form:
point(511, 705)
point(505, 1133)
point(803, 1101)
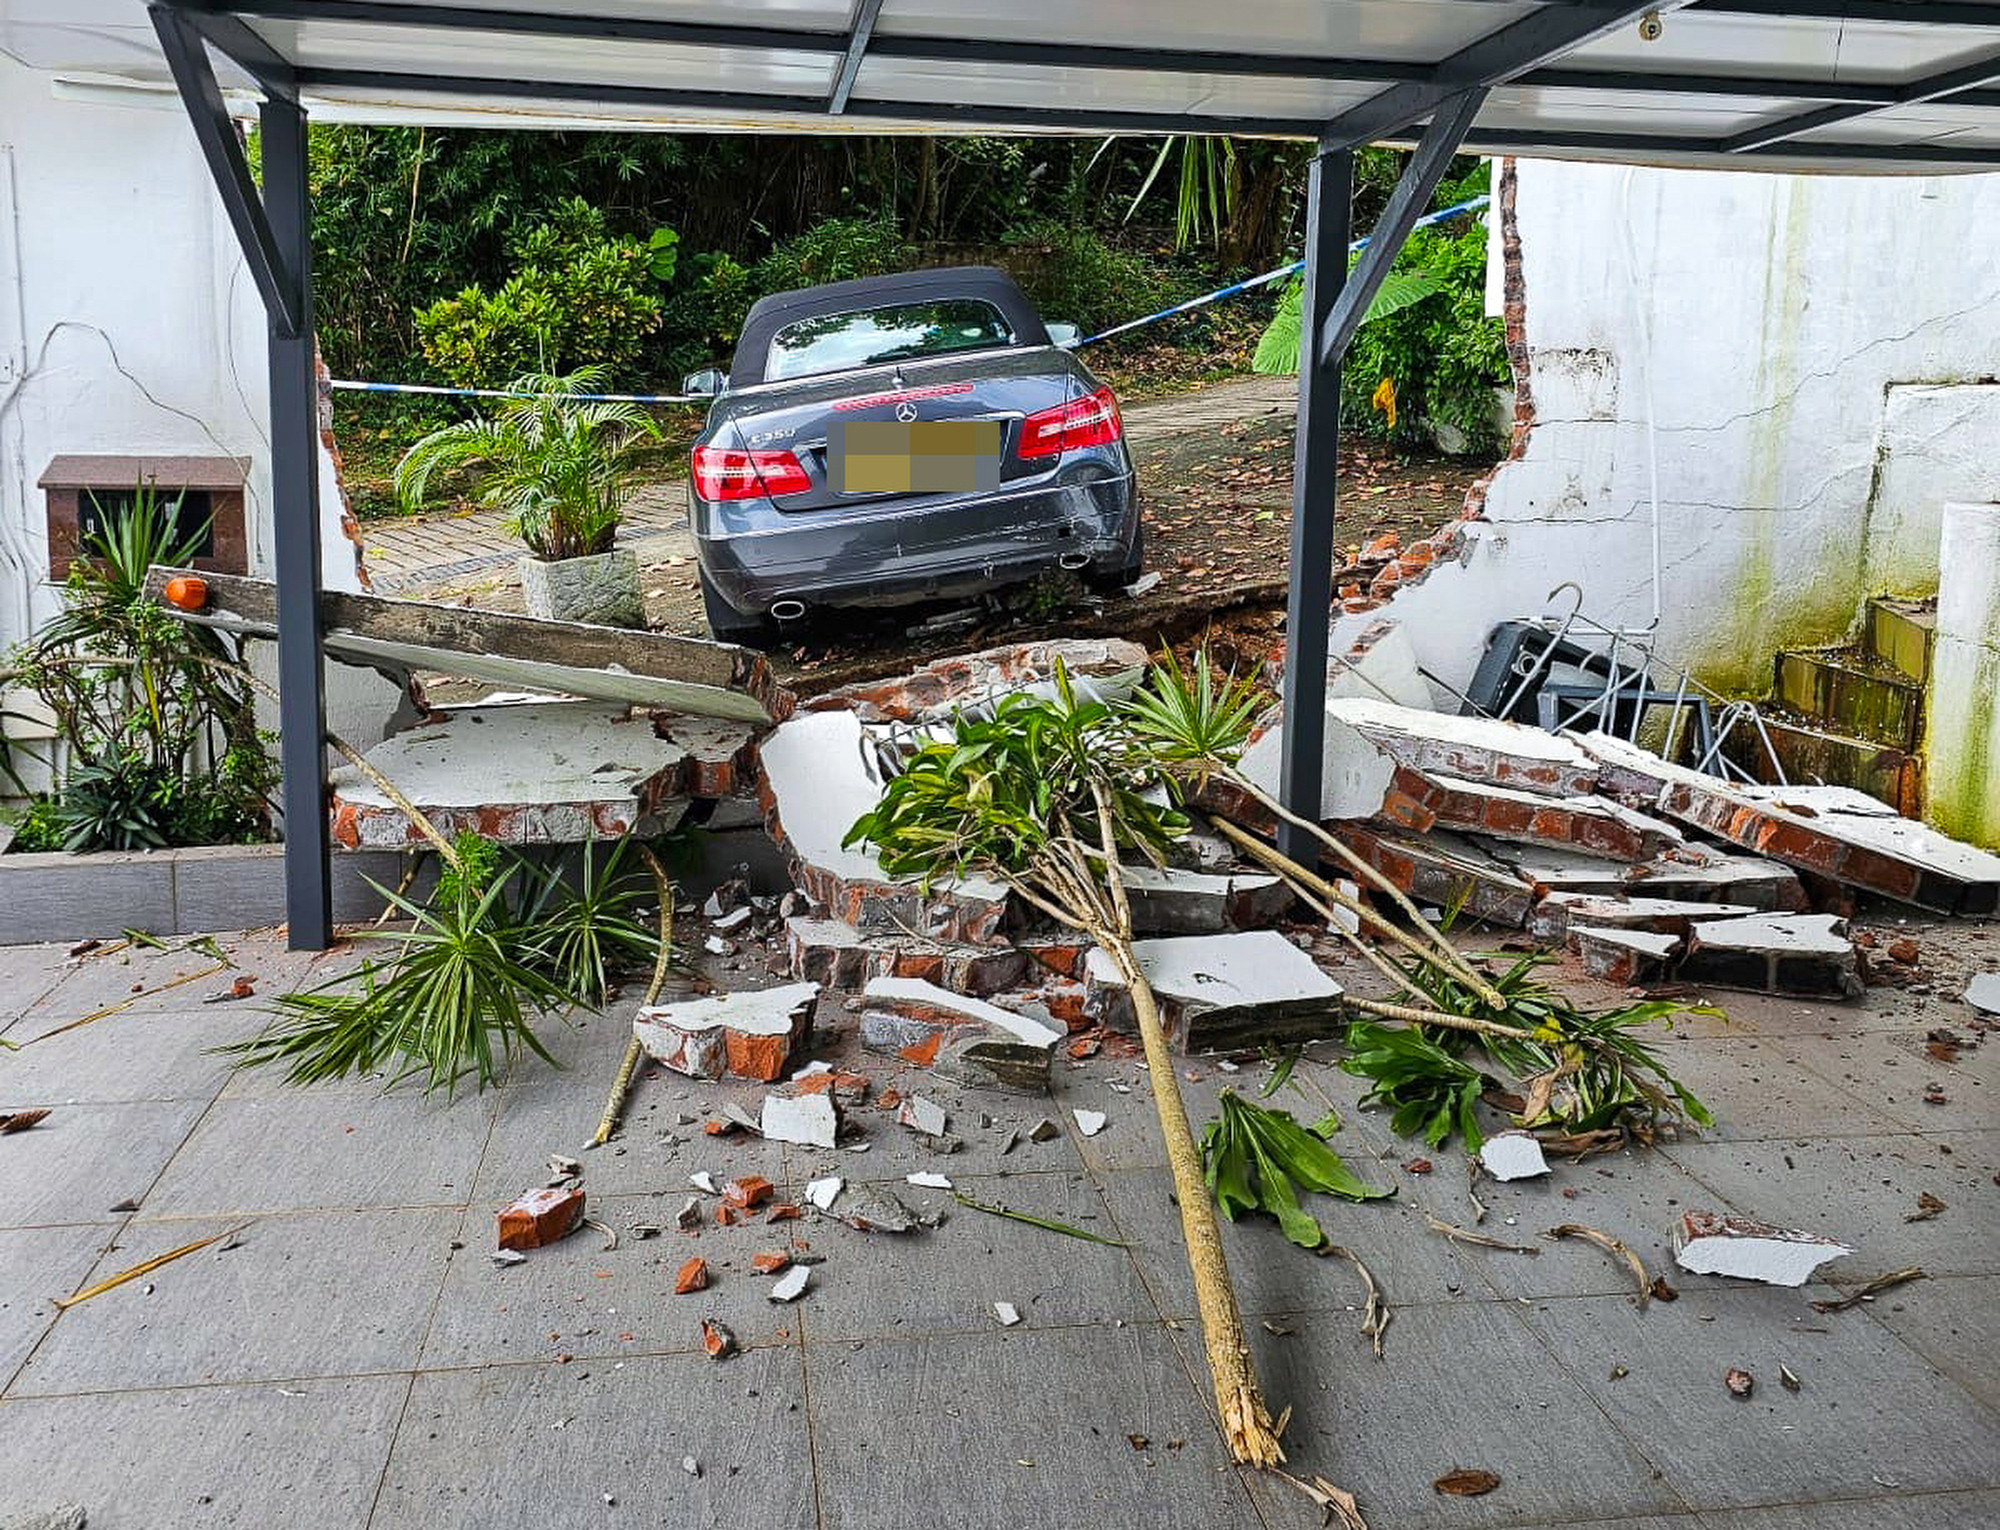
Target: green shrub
point(578, 297)
point(1074, 277)
point(838, 250)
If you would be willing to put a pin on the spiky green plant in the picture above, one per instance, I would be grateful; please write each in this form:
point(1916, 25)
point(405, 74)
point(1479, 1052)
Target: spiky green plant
point(582, 932)
point(559, 469)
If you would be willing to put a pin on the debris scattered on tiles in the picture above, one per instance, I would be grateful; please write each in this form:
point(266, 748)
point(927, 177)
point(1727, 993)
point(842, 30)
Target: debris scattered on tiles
point(1512, 1155)
point(791, 1285)
point(1708, 1243)
point(749, 1034)
point(812, 1120)
point(1006, 1314)
point(541, 1217)
point(1090, 1122)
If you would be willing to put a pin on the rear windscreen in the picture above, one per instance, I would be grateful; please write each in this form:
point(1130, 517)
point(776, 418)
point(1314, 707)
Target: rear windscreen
point(839, 342)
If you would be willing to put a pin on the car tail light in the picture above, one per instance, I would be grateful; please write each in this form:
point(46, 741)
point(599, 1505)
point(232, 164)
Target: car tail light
point(1088, 421)
point(722, 472)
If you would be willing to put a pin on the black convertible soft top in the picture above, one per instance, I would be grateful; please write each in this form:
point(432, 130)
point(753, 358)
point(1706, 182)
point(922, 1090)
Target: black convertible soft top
point(768, 315)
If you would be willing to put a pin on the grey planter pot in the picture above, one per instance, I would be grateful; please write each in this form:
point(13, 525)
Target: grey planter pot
point(603, 588)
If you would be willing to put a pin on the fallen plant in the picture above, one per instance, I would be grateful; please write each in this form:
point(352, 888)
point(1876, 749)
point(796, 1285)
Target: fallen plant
point(1258, 1159)
point(1047, 1224)
point(1044, 794)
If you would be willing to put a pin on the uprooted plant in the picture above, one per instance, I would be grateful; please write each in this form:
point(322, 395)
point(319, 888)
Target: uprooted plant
point(1044, 795)
point(502, 939)
point(1574, 1072)
point(1259, 1158)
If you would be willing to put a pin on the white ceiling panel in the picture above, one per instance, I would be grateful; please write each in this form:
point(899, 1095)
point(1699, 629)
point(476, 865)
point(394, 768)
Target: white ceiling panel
point(1117, 90)
point(1852, 52)
point(604, 61)
point(1378, 29)
point(1528, 108)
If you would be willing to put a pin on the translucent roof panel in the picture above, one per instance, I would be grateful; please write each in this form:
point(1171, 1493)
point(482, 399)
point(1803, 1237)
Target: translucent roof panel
point(1847, 85)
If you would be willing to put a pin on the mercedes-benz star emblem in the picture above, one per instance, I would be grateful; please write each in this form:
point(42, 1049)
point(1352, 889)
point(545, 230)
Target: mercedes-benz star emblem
point(906, 412)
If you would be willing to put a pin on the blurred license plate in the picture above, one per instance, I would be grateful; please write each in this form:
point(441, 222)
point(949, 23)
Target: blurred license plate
point(920, 457)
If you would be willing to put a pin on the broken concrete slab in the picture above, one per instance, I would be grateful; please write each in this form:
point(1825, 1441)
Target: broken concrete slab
point(1222, 992)
point(719, 755)
point(1421, 801)
point(532, 773)
point(1442, 868)
point(1627, 956)
point(1690, 873)
point(1814, 830)
point(926, 1002)
point(811, 1119)
point(752, 1034)
point(650, 669)
point(541, 1217)
point(1809, 955)
point(1983, 992)
point(1170, 901)
point(819, 777)
point(1556, 913)
point(836, 954)
point(1108, 668)
point(1512, 1155)
point(870, 1208)
point(1709, 1243)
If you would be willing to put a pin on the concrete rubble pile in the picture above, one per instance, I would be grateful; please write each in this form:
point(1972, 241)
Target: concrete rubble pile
point(1647, 873)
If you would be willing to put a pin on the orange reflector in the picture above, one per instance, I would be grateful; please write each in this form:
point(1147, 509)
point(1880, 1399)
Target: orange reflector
point(186, 593)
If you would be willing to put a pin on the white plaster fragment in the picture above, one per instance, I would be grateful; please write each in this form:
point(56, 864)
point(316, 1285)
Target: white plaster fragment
point(895, 992)
point(822, 1193)
point(1247, 967)
point(922, 1115)
point(1007, 1314)
point(1512, 1155)
point(1983, 992)
point(1706, 1243)
point(927, 1180)
point(1090, 1122)
point(703, 1181)
point(735, 919)
point(791, 1285)
point(811, 1119)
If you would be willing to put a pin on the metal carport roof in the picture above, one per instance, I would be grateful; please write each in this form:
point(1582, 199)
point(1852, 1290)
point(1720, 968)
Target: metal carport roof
point(1872, 86)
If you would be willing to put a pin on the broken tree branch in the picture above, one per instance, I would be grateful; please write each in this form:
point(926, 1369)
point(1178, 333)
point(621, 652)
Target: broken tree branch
point(1477, 1239)
point(1247, 1426)
point(1616, 1249)
point(629, 1064)
point(1375, 1317)
point(1874, 1287)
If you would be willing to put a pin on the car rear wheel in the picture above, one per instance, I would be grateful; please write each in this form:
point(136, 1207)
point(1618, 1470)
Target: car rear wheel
point(726, 624)
point(1114, 581)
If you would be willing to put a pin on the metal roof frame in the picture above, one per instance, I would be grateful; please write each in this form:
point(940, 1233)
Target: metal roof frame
point(1436, 101)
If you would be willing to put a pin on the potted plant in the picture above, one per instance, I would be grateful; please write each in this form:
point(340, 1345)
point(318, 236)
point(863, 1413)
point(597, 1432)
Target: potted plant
point(561, 470)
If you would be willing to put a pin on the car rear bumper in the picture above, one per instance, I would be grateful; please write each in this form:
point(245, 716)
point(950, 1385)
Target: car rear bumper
point(885, 556)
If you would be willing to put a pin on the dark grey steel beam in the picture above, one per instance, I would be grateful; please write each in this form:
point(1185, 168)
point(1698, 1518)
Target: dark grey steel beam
point(1965, 13)
point(1315, 466)
point(1981, 72)
point(243, 43)
point(1508, 140)
point(187, 58)
point(1504, 54)
point(1406, 204)
point(859, 31)
point(295, 538)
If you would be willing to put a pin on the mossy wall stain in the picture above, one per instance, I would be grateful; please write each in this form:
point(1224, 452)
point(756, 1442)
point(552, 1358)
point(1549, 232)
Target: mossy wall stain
point(1963, 783)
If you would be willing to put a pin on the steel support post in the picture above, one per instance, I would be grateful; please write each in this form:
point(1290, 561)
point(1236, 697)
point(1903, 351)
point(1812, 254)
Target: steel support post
point(1315, 453)
point(295, 517)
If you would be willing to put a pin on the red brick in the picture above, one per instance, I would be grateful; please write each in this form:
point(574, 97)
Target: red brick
point(541, 1217)
point(747, 1193)
point(693, 1277)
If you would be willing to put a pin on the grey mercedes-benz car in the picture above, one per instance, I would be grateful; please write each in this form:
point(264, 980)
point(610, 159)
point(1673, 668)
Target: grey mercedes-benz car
point(898, 439)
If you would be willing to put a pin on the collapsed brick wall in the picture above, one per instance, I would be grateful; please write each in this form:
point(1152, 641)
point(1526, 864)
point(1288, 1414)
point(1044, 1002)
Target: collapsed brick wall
point(349, 526)
point(1386, 565)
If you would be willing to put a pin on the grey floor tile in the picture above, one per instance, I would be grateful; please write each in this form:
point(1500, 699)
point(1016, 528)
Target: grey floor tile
point(138, 974)
point(36, 1265)
point(1757, 1014)
point(1954, 1322)
point(136, 1055)
point(946, 1281)
point(327, 1294)
point(1927, 1511)
point(1756, 1089)
point(1462, 1386)
point(299, 1457)
point(581, 1299)
point(27, 973)
point(1022, 1428)
point(602, 1444)
point(1890, 1074)
point(1271, 1274)
point(1859, 1190)
point(307, 1149)
point(1868, 1409)
point(85, 1159)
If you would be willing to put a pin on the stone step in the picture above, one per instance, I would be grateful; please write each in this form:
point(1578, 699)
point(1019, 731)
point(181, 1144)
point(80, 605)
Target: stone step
point(1900, 633)
point(1807, 753)
point(1856, 693)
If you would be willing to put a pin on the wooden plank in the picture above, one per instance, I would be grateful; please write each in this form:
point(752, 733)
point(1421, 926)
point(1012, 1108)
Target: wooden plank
point(651, 669)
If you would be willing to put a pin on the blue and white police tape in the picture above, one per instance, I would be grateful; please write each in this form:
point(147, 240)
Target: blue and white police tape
point(1442, 215)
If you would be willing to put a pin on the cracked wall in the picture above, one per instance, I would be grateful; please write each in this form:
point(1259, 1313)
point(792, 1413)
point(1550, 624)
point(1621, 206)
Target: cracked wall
point(1808, 361)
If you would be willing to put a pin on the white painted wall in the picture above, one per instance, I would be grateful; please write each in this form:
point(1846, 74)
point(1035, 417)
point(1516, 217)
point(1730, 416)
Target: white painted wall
point(128, 322)
point(1823, 354)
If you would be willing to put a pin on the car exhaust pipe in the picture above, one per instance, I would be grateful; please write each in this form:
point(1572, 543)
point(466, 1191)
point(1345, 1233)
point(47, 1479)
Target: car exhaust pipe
point(1073, 561)
point(787, 610)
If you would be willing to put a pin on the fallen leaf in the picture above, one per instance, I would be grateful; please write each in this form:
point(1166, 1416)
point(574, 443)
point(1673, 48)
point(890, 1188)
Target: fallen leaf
point(1467, 1482)
point(1928, 1205)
